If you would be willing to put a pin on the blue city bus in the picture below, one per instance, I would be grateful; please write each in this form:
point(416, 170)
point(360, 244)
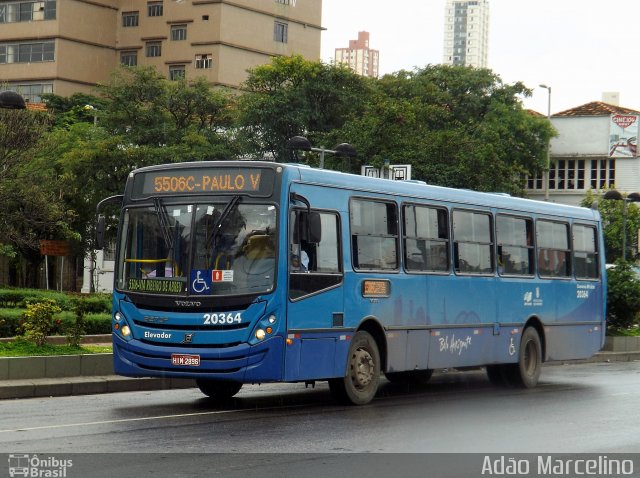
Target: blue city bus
point(251, 272)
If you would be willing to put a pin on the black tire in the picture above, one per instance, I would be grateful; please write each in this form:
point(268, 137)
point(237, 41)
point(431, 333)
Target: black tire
point(360, 384)
point(526, 372)
point(410, 377)
point(218, 389)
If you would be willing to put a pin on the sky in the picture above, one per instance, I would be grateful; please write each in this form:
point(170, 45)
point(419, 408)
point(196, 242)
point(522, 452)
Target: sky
point(580, 48)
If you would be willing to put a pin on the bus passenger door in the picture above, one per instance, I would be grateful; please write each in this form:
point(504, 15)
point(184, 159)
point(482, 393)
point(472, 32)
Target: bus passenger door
point(315, 296)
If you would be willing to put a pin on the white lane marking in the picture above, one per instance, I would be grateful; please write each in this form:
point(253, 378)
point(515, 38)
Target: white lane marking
point(142, 419)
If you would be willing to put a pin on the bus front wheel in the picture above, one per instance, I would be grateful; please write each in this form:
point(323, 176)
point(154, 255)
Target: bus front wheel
point(526, 372)
point(360, 384)
point(218, 389)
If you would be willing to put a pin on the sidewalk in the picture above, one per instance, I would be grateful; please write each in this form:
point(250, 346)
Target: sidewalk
point(65, 377)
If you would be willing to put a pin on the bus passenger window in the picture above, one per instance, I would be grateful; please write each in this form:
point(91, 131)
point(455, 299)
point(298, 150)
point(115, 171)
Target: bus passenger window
point(426, 239)
point(553, 249)
point(515, 245)
point(585, 252)
point(374, 235)
point(473, 242)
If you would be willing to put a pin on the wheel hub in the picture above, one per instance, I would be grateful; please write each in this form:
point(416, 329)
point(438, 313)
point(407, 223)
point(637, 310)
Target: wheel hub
point(363, 369)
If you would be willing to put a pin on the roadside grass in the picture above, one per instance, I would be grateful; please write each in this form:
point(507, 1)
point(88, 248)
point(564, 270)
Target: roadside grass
point(24, 348)
point(630, 332)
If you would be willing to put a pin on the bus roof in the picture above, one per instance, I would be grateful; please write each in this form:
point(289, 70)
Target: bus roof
point(405, 189)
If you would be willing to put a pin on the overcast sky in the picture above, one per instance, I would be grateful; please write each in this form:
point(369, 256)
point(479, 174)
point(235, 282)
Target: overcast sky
point(581, 48)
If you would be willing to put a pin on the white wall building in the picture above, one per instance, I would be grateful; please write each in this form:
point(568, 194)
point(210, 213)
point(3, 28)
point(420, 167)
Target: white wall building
point(596, 148)
point(466, 33)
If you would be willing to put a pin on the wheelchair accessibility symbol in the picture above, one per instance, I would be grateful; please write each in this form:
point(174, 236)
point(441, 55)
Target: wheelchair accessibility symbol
point(200, 281)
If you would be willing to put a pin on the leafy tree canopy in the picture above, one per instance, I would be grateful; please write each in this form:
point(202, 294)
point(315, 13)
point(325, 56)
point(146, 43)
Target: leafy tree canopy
point(456, 126)
point(292, 96)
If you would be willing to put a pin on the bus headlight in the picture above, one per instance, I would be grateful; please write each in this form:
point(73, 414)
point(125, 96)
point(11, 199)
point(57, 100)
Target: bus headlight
point(117, 316)
point(125, 331)
point(260, 334)
point(272, 319)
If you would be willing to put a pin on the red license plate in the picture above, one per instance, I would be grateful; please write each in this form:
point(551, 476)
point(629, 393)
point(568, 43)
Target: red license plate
point(185, 359)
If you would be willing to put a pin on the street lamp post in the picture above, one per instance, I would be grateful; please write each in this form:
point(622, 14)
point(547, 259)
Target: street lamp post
point(548, 162)
point(614, 195)
point(301, 143)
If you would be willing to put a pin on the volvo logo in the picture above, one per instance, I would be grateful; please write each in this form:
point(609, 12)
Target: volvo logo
point(188, 338)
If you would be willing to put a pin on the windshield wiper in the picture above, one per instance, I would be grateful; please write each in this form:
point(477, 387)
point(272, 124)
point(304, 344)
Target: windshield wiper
point(217, 226)
point(163, 219)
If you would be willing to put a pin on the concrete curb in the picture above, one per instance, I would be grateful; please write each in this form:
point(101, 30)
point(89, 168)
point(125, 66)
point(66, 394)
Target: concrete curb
point(60, 387)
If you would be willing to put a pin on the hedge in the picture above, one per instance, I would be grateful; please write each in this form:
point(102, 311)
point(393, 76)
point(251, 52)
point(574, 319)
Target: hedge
point(95, 323)
point(94, 303)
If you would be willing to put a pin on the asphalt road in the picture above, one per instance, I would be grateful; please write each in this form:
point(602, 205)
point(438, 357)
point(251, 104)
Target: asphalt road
point(587, 408)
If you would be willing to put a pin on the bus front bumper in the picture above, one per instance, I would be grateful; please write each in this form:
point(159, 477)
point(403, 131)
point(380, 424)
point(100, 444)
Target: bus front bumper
point(245, 363)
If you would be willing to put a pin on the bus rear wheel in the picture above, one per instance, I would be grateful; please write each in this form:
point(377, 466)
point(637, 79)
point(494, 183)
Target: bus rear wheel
point(218, 389)
point(526, 372)
point(360, 384)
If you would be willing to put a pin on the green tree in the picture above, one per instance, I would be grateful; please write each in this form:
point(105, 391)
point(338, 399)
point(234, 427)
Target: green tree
point(456, 126)
point(623, 296)
point(142, 119)
point(613, 218)
point(292, 96)
point(31, 208)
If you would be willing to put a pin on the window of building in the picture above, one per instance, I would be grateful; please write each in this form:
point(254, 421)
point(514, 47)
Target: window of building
point(130, 19)
point(514, 237)
point(585, 251)
point(129, 58)
point(576, 175)
point(204, 61)
point(176, 72)
point(553, 249)
point(178, 32)
point(603, 173)
point(314, 259)
point(374, 235)
point(472, 242)
point(154, 48)
point(27, 52)
point(31, 92)
point(154, 9)
point(426, 239)
point(27, 11)
point(280, 32)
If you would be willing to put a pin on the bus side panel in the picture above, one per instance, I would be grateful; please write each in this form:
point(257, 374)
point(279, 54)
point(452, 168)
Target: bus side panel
point(567, 342)
point(407, 350)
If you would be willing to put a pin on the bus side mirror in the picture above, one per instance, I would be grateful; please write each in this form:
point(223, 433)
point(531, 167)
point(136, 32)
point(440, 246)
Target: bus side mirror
point(307, 228)
point(314, 228)
point(100, 227)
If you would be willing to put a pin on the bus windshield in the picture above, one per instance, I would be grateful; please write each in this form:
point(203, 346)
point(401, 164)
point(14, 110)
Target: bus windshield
point(217, 248)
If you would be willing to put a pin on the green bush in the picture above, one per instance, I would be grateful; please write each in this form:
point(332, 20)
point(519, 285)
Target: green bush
point(94, 323)
point(38, 321)
point(18, 298)
point(623, 296)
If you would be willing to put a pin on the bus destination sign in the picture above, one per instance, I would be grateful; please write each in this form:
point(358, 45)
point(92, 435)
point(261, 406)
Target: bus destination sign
point(251, 181)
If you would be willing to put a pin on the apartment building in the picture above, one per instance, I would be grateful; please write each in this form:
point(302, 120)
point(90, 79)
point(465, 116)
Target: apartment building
point(68, 46)
point(359, 56)
point(466, 33)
